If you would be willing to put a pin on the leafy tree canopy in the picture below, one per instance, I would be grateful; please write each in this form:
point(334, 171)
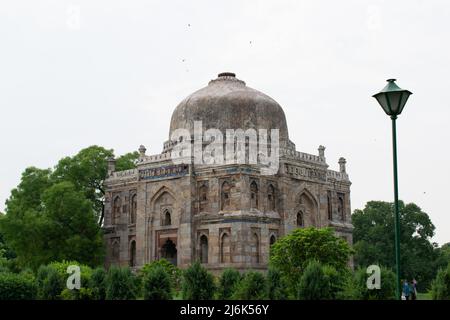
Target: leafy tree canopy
point(63, 227)
point(87, 170)
point(292, 253)
point(56, 214)
point(373, 238)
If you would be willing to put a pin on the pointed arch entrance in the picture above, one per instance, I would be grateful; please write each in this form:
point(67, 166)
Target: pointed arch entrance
point(169, 251)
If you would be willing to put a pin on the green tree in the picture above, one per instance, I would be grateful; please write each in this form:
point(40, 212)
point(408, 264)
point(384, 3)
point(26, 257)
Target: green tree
point(197, 283)
point(227, 284)
point(61, 227)
point(127, 161)
point(440, 287)
point(49, 214)
point(121, 284)
point(373, 238)
point(73, 233)
point(98, 283)
point(87, 171)
point(320, 282)
point(277, 288)
point(5, 251)
point(173, 272)
point(443, 256)
point(292, 253)
point(49, 283)
point(21, 226)
point(251, 287)
point(313, 284)
point(157, 284)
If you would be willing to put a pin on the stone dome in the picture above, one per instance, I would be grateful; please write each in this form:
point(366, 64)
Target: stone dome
point(227, 103)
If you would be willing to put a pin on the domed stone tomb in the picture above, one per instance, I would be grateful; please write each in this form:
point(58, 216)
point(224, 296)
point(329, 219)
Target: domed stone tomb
point(226, 214)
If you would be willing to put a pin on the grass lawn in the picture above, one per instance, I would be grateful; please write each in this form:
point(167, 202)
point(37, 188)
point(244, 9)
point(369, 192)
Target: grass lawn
point(423, 296)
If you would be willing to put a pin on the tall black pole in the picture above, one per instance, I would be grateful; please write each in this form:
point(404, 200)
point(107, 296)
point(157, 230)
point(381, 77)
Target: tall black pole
point(397, 218)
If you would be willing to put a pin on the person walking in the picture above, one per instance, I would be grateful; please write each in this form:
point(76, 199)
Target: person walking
point(413, 289)
point(406, 290)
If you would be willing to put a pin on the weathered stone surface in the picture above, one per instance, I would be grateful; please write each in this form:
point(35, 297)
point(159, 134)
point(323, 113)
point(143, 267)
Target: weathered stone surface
point(227, 103)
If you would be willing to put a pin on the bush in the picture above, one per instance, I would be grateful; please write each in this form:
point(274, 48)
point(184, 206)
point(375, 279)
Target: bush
point(75, 294)
point(84, 293)
point(198, 283)
point(440, 287)
point(17, 286)
point(3, 261)
point(49, 283)
point(97, 284)
point(251, 287)
point(120, 284)
point(157, 284)
point(321, 282)
point(276, 285)
point(387, 285)
point(292, 253)
point(355, 287)
point(350, 290)
point(173, 272)
point(62, 266)
point(228, 282)
point(313, 283)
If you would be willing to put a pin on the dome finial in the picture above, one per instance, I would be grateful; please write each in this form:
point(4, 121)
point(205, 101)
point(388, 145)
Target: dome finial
point(227, 74)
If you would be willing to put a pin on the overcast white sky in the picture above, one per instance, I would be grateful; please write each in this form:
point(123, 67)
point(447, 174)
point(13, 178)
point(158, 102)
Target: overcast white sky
point(78, 73)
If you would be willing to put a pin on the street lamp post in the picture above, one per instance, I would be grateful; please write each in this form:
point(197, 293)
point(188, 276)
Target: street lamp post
point(393, 99)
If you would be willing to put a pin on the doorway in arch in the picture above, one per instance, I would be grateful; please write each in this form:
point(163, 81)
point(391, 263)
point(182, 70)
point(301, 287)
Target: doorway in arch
point(169, 251)
point(167, 245)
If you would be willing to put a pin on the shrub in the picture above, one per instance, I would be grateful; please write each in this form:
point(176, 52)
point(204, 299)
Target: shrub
point(440, 287)
point(276, 285)
point(228, 282)
point(251, 287)
point(292, 253)
point(84, 293)
point(321, 282)
point(198, 283)
point(157, 284)
point(49, 283)
point(62, 266)
point(97, 284)
point(313, 283)
point(120, 284)
point(75, 294)
point(173, 272)
point(17, 286)
point(387, 285)
point(355, 287)
point(3, 261)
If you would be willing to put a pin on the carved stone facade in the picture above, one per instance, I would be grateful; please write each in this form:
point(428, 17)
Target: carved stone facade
point(222, 215)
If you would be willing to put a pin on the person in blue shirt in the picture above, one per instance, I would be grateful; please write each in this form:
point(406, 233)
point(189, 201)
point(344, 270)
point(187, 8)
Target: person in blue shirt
point(406, 290)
